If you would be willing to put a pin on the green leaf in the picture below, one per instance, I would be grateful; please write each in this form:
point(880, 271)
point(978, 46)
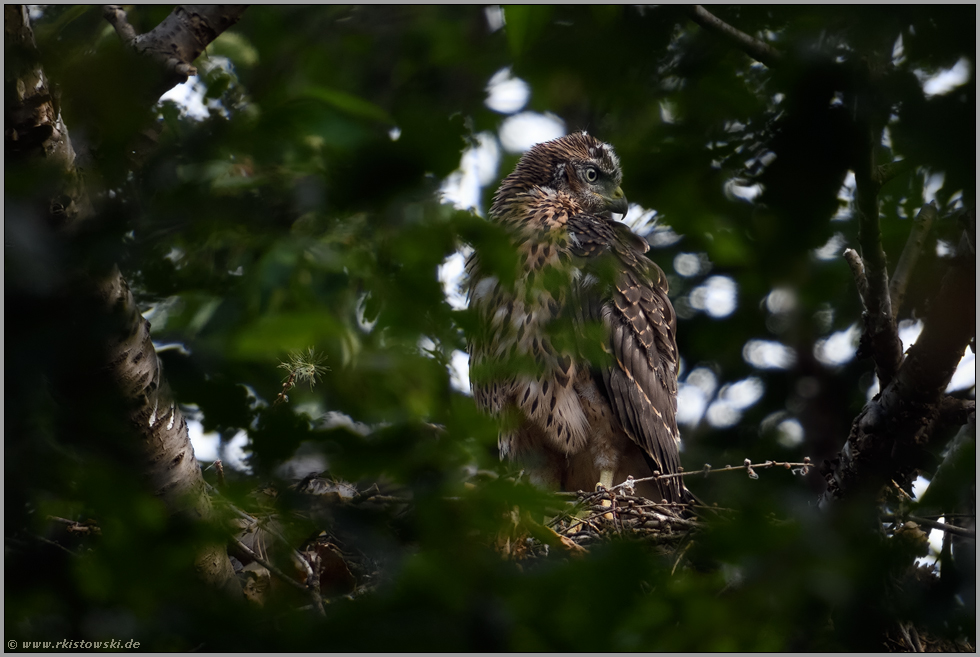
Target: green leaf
point(349, 104)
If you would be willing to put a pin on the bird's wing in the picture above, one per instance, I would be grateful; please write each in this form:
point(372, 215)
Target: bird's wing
point(627, 293)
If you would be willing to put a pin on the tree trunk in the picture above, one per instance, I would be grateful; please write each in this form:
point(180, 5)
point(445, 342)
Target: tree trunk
point(121, 369)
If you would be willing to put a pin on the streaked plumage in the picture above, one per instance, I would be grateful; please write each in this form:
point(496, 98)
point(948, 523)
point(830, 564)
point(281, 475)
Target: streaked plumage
point(576, 353)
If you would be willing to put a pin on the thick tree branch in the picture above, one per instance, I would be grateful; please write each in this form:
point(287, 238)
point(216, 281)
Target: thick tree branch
point(179, 39)
point(116, 16)
point(913, 247)
point(758, 50)
point(888, 436)
point(881, 333)
point(120, 362)
point(954, 412)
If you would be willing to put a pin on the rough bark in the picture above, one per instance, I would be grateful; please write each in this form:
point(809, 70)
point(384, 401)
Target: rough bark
point(888, 436)
point(123, 358)
point(33, 125)
point(880, 330)
point(132, 366)
point(178, 40)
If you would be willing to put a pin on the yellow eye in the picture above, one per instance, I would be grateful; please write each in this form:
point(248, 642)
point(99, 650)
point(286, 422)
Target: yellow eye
point(591, 174)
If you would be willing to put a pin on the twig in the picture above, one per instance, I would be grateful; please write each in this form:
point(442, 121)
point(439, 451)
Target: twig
point(936, 516)
point(273, 569)
point(55, 544)
point(913, 247)
point(314, 594)
point(312, 583)
point(680, 522)
point(77, 527)
point(220, 469)
point(287, 385)
point(617, 521)
point(902, 491)
point(681, 556)
point(365, 495)
point(388, 499)
point(665, 510)
point(758, 50)
point(913, 646)
point(915, 638)
point(799, 468)
point(585, 522)
point(931, 524)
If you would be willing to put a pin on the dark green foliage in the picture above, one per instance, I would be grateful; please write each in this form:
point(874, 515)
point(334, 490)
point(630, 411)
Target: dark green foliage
point(291, 219)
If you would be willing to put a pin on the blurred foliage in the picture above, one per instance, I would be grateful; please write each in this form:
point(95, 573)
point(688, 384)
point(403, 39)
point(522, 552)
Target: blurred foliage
point(303, 213)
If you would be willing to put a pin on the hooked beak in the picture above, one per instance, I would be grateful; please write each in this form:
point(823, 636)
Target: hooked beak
point(617, 201)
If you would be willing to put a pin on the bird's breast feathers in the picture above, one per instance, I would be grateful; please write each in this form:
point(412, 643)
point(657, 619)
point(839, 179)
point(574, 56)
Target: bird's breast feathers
point(520, 320)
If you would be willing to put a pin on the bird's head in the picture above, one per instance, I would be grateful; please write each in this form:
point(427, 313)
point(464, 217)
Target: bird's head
point(577, 164)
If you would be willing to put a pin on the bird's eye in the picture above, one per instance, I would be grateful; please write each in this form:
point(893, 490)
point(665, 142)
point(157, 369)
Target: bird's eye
point(591, 174)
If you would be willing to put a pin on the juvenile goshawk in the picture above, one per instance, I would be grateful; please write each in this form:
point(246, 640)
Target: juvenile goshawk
point(575, 352)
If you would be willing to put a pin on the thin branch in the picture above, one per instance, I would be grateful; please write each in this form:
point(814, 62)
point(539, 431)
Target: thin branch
point(915, 638)
point(906, 629)
point(902, 491)
point(931, 524)
point(797, 468)
point(220, 469)
point(968, 516)
point(913, 247)
point(274, 570)
point(75, 527)
point(856, 264)
point(312, 580)
point(886, 438)
point(312, 583)
point(55, 544)
point(681, 556)
point(372, 492)
point(758, 50)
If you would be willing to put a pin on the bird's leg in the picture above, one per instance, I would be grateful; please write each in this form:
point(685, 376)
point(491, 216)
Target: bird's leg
point(606, 481)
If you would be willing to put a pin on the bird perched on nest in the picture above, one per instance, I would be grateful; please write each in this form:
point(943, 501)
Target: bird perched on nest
point(575, 352)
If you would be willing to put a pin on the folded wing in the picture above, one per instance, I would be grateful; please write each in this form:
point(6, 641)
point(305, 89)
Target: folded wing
point(628, 295)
